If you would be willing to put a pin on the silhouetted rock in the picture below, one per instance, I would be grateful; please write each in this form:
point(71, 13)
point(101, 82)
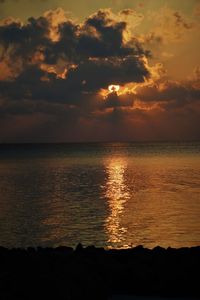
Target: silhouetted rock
point(79, 248)
point(96, 273)
point(63, 249)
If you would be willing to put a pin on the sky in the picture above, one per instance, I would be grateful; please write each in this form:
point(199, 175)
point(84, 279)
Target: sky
point(110, 70)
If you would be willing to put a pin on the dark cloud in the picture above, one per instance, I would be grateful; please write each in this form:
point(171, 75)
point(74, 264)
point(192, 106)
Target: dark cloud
point(86, 79)
point(56, 73)
point(94, 55)
point(23, 41)
point(99, 36)
point(171, 93)
point(107, 39)
point(102, 72)
point(115, 100)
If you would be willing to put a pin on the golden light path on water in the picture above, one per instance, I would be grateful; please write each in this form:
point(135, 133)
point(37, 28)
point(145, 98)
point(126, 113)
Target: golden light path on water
point(117, 194)
point(148, 201)
point(113, 196)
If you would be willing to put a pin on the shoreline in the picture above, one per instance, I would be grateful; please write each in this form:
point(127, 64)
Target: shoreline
point(96, 273)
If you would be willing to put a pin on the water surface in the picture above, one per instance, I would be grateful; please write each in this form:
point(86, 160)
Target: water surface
point(111, 195)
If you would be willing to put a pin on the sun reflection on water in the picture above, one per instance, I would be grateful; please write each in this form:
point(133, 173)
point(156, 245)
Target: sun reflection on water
point(117, 193)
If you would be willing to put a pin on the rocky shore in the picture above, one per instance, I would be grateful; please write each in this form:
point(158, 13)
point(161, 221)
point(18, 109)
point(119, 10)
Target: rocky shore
point(96, 273)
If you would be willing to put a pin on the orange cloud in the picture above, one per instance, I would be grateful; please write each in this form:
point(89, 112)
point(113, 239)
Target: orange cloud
point(59, 71)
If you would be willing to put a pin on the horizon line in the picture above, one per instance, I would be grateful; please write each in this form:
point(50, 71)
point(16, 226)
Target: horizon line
point(99, 142)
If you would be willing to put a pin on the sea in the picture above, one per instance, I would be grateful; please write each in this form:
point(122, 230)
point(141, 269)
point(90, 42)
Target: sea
point(111, 195)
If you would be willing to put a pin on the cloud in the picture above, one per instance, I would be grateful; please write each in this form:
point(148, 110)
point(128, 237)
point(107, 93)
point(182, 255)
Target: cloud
point(100, 36)
point(88, 77)
point(169, 26)
point(197, 10)
point(114, 100)
point(171, 94)
point(54, 70)
point(59, 61)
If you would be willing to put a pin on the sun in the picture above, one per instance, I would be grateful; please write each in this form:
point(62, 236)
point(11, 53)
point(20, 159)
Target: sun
point(113, 88)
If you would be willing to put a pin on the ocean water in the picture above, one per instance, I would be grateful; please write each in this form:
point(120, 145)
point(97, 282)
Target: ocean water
point(107, 194)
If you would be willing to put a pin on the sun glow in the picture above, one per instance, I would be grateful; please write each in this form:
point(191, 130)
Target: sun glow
point(113, 88)
point(119, 90)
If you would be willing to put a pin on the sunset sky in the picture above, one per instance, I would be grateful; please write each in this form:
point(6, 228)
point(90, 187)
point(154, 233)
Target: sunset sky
point(118, 70)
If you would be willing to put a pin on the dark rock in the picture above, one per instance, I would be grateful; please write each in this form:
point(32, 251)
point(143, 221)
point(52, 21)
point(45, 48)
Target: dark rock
point(79, 248)
point(95, 273)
